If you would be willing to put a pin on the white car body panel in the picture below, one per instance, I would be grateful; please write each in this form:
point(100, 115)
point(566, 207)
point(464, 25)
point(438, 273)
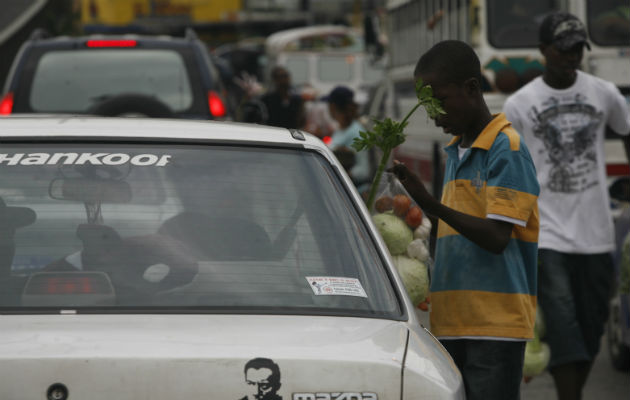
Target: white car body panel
point(202, 356)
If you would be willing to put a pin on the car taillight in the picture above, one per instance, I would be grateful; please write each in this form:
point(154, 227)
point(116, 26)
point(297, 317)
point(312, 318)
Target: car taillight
point(217, 108)
point(327, 140)
point(6, 104)
point(111, 43)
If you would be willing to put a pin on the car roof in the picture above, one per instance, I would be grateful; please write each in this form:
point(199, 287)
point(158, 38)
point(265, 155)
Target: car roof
point(85, 127)
point(148, 40)
point(41, 36)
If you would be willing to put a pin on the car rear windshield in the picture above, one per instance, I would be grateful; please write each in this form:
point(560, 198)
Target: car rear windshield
point(183, 228)
point(77, 80)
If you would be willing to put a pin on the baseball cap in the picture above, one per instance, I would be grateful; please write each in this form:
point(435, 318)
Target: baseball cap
point(15, 217)
point(340, 96)
point(563, 30)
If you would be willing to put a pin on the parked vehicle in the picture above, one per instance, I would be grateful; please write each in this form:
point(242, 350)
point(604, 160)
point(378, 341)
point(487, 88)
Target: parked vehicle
point(109, 75)
point(324, 56)
point(618, 326)
point(161, 259)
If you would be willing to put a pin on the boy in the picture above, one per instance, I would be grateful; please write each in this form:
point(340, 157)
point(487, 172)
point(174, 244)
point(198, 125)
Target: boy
point(483, 287)
point(562, 116)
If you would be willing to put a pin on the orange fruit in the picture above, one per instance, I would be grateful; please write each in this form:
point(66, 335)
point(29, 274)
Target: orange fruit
point(414, 217)
point(384, 203)
point(401, 204)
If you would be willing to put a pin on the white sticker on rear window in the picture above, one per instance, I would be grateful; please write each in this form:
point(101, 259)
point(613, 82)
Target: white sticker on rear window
point(335, 286)
point(84, 158)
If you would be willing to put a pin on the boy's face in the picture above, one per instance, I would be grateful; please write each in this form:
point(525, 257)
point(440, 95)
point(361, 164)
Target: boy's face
point(453, 100)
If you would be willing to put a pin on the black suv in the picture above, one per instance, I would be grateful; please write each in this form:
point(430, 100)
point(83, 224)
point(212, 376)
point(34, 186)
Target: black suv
point(155, 76)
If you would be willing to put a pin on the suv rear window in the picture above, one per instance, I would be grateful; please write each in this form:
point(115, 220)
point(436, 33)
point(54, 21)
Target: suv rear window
point(184, 227)
point(73, 81)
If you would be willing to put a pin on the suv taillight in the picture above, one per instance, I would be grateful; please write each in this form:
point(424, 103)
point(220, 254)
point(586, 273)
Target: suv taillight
point(111, 43)
point(217, 108)
point(6, 104)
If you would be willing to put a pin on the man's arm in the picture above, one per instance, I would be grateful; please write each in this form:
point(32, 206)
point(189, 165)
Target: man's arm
point(489, 234)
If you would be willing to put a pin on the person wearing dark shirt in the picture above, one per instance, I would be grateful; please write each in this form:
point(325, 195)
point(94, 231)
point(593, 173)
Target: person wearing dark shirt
point(284, 108)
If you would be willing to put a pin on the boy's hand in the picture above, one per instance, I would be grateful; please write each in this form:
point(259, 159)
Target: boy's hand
point(414, 186)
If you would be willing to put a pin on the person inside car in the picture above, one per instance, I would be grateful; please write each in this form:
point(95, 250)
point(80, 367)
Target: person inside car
point(11, 218)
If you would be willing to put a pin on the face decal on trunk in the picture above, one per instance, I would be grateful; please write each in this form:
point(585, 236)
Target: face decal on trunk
point(262, 377)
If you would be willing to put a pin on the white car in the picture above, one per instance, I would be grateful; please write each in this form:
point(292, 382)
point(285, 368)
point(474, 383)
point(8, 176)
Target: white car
point(162, 259)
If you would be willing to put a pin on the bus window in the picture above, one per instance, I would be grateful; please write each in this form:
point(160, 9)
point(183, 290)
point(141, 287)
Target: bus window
point(609, 22)
point(335, 68)
point(372, 72)
point(298, 67)
point(514, 24)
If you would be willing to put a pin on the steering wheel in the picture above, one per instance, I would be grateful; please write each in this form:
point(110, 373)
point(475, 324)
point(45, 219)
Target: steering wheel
point(138, 264)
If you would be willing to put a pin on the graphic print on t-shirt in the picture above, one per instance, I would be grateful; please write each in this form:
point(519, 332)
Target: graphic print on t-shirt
point(568, 129)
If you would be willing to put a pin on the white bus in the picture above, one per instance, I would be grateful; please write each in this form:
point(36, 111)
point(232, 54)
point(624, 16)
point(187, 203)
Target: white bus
point(504, 33)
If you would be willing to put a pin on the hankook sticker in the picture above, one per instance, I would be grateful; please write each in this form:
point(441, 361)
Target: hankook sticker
point(84, 158)
point(335, 286)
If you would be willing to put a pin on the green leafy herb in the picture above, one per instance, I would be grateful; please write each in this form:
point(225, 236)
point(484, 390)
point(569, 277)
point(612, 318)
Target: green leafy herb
point(387, 134)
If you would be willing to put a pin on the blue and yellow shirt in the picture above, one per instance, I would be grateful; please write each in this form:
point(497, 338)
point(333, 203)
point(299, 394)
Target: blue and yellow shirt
point(475, 292)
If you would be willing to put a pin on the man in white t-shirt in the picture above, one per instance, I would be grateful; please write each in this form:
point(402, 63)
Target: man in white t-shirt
point(562, 117)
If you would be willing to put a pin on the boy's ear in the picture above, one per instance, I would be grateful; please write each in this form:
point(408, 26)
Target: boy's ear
point(542, 47)
point(472, 86)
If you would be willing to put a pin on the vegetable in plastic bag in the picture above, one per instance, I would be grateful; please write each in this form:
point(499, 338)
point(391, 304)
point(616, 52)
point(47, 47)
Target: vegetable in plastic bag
point(396, 234)
point(415, 277)
point(418, 249)
point(537, 352)
point(536, 357)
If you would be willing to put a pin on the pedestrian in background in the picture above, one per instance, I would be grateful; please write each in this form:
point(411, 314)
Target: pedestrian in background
point(562, 116)
point(483, 285)
point(284, 107)
point(345, 111)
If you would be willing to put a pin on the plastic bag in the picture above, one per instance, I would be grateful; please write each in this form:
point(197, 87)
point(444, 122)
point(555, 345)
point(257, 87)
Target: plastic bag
point(405, 230)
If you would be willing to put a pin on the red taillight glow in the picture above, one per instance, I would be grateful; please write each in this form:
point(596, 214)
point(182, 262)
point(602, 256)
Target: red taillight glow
point(617, 169)
point(6, 104)
point(111, 43)
point(69, 286)
point(217, 108)
point(75, 283)
point(326, 140)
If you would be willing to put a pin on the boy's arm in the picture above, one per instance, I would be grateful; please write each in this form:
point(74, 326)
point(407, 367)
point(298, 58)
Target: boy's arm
point(489, 234)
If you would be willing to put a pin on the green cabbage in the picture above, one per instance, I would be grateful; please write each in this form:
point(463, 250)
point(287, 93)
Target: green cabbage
point(536, 358)
point(415, 277)
point(395, 232)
